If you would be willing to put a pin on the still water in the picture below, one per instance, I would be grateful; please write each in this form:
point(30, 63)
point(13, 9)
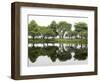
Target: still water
point(57, 54)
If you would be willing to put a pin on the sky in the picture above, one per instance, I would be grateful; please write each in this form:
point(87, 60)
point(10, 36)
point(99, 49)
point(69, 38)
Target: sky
point(45, 20)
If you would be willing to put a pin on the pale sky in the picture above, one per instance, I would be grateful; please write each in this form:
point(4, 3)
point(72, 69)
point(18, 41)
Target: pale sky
point(46, 20)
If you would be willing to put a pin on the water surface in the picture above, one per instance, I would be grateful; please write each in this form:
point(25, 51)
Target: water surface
point(57, 54)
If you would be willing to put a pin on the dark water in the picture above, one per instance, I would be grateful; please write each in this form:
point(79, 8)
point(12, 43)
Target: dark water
point(46, 54)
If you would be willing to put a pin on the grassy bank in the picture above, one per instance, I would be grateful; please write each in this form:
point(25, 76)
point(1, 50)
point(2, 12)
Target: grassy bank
point(67, 41)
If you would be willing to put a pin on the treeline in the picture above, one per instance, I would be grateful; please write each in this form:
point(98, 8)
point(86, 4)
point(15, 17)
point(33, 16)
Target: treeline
point(61, 30)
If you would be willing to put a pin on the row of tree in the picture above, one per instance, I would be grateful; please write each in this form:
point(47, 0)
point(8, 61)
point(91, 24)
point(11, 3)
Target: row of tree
point(62, 29)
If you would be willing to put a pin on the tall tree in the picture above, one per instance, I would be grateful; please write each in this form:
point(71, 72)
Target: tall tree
point(63, 27)
point(32, 25)
point(53, 25)
point(32, 28)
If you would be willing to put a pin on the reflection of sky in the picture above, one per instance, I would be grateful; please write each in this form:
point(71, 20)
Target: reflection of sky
point(46, 20)
point(45, 61)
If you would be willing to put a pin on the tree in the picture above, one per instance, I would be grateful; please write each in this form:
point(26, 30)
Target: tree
point(43, 31)
point(50, 32)
point(81, 54)
point(53, 25)
point(32, 28)
point(63, 27)
point(84, 34)
point(70, 34)
point(75, 34)
point(32, 25)
point(81, 27)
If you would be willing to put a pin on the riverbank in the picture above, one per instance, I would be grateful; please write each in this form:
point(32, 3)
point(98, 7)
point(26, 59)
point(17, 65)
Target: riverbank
point(67, 41)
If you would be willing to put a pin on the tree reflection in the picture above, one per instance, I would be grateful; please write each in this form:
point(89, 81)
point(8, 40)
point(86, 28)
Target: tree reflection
point(62, 53)
point(81, 54)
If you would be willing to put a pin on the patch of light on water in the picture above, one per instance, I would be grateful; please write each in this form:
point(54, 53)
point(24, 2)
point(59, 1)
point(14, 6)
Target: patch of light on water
point(78, 46)
point(29, 37)
point(30, 45)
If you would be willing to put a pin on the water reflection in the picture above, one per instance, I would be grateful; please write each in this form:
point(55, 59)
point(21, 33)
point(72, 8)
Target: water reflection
point(61, 52)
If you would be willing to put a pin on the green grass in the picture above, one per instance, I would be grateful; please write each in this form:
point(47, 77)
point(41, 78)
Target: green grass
point(67, 41)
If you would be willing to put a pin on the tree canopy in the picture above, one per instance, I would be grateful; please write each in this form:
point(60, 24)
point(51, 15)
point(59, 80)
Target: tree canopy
point(58, 29)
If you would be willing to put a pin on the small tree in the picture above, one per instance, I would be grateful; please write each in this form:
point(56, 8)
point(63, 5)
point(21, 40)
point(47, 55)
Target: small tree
point(80, 27)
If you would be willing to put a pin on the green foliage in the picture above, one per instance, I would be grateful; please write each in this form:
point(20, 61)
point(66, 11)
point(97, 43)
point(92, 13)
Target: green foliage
point(51, 31)
point(80, 26)
point(50, 51)
point(47, 34)
point(81, 54)
point(54, 53)
point(63, 27)
point(32, 26)
point(53, 25)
